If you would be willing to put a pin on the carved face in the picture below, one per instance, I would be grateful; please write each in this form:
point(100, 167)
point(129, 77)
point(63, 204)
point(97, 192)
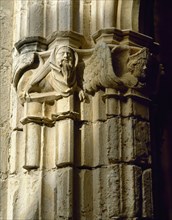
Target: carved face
point(65, 60)
point(65, 55)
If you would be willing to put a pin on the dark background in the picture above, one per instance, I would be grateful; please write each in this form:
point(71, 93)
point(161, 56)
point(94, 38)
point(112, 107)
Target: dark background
point(156, 21)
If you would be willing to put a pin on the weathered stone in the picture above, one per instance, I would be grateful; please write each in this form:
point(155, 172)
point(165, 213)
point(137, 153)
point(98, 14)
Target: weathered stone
point(6, 42)
point(135, 140)
point(98, 107)
point(17, 112)
point(3, 198)
point(137, 107)
point(147, 197)
point(48, 110)
point(65, 15)
point(112, 102)
point(64, 193)
point(4, 154)
point(49, 195)
point(113, 142)
point(48, 148)
point(108, 183)
point(64, 142)
point(65, 104)
point(24, 192)
point(36, 12)
point(86, 152)
point(84, 194)
point(33, 109)
point(13, 188)
point(17, 152)
point(84, 114)
point(131, 190)
point(99, 143)
point(33, 137)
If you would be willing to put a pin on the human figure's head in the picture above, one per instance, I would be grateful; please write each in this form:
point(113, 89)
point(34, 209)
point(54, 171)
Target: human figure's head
point(65, 54)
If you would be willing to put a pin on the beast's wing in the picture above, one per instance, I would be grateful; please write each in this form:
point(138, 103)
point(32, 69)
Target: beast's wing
point(129, 64)
point(98, 71)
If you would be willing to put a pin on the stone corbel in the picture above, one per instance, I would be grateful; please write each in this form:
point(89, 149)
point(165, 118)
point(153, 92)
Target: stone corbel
point(45, 78)
point(45, 75)
point(119, 67)
point(121, 60)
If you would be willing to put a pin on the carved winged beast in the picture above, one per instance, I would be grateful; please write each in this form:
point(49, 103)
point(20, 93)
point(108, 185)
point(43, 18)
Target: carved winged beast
point(120, 67)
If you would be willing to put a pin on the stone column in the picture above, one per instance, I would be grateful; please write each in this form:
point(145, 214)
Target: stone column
point(87, 144)
point(80, 146)
point(114, 146)
point(33, 135)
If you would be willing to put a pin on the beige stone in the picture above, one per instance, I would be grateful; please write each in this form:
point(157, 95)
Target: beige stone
point(86, 113)
point(85, 154)
point(48, 110)
point(112, 102)
point(131, 194)
point(99, 143)
point(24, 195)
point(32, 145)
point(4, 140)
point(49, 195)
point(84, 139)
point(98, 107)
point(35, 15)
point(84, 194)
point(3, 196)
point(6, 42)
point(17, 152)
point(64, 142)
point(135, 140)
point(135, 106)
point(33, 109)
point(116, 190)
point(17, 112)
point(65, 104)
point(48, 153)
point(64, 193)
point(113, 140)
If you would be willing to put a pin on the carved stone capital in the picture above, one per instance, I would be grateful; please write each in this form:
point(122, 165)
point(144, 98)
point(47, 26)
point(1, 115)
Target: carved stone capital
point(119, 61)
point(114, 66)
point(126, 37)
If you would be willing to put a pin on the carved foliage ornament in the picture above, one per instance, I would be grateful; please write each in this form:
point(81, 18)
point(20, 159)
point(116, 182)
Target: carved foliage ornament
point(120, 67)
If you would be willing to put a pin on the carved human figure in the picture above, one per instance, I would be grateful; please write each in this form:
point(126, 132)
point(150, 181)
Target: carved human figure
point(57, 73)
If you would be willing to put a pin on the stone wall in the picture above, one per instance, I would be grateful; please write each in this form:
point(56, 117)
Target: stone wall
point(6, 45)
